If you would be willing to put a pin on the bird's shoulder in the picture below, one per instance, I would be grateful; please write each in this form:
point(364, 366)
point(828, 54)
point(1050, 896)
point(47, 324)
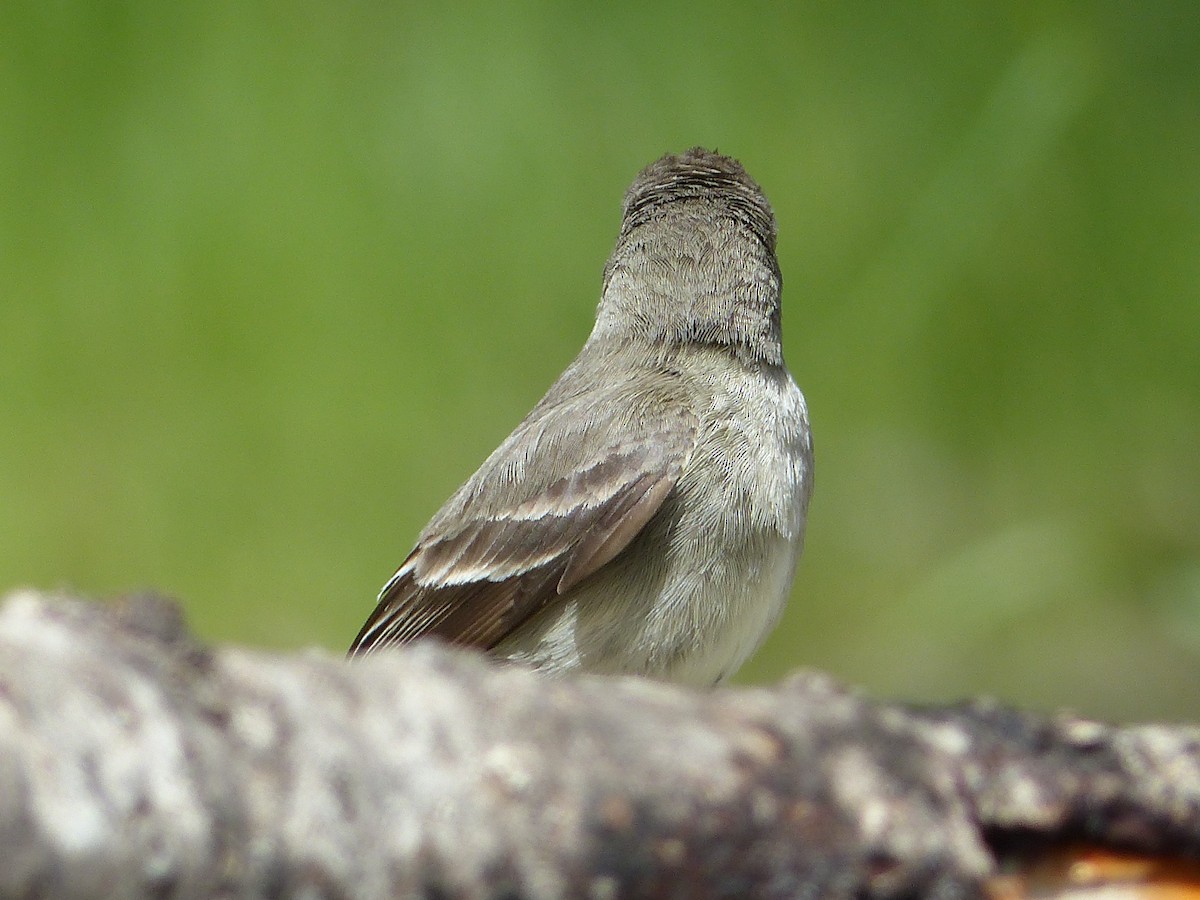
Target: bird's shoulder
point(596, 424)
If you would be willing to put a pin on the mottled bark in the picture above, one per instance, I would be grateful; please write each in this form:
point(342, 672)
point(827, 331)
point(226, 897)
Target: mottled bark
point(135, 762)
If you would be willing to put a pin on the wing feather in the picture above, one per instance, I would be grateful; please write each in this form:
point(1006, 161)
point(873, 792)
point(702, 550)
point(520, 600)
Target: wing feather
point(485, 565)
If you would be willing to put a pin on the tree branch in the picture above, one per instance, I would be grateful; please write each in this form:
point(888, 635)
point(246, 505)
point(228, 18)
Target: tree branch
point(135, 762)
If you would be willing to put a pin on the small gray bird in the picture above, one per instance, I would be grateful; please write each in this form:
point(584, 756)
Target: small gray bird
point(646, 517)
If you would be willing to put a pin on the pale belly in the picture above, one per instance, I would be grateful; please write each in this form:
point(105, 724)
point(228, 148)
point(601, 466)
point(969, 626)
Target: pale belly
point(696, 629)
point(752, 610)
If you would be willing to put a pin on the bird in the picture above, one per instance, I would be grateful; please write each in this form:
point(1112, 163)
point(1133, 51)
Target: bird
point(647, 516)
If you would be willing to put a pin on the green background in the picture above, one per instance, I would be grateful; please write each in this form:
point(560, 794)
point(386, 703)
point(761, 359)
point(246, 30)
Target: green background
point(275, 277)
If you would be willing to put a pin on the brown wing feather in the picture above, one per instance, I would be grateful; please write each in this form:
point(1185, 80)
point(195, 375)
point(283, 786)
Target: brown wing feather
point(474, 586)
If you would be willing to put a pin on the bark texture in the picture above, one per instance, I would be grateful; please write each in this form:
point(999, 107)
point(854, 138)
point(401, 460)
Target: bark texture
point(135, 762)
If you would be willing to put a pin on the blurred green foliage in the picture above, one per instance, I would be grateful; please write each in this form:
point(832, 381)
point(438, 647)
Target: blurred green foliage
point(274, 278)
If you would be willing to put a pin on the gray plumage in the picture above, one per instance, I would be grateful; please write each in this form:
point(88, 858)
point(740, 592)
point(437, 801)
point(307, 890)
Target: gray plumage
point(647, 515)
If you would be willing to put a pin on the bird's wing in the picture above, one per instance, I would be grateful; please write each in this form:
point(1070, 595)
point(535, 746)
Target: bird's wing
point(511, 541)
